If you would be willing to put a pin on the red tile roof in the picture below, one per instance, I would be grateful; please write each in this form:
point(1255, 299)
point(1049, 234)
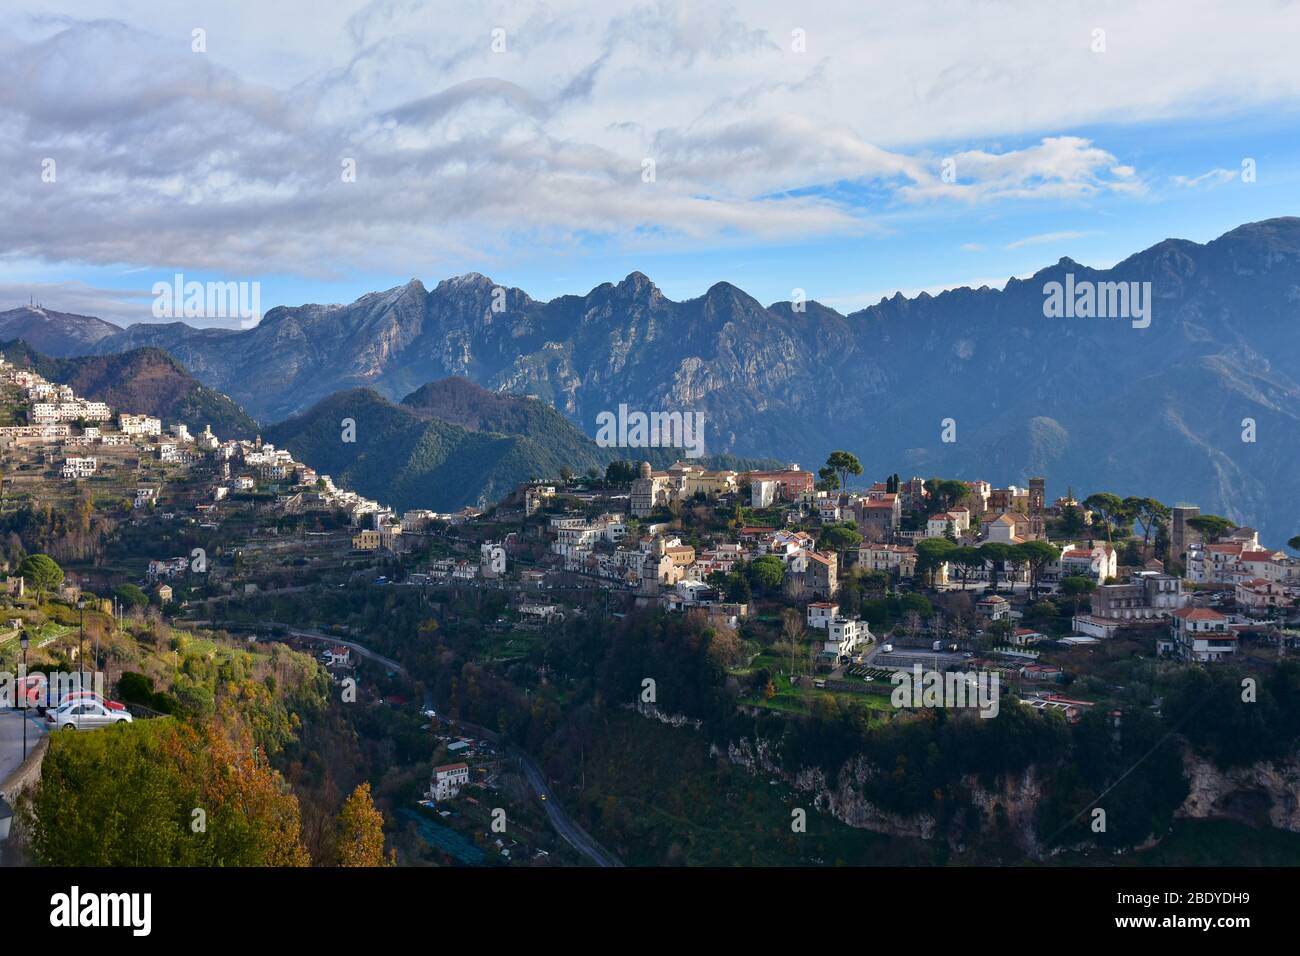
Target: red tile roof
point(1198, 614)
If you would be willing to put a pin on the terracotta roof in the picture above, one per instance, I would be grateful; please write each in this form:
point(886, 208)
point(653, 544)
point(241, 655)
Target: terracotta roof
point(1198, 614)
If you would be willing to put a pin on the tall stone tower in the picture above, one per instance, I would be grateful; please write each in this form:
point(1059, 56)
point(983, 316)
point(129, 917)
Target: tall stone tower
point(1178, 529)
point(1038, 508)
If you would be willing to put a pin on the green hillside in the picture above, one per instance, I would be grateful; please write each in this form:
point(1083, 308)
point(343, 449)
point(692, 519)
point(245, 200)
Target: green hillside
point(447, 445)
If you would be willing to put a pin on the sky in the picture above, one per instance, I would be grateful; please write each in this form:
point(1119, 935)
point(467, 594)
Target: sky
point(849, 150)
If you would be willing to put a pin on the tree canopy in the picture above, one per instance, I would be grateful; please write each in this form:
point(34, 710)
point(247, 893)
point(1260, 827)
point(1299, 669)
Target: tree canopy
point(42, 572)
point(161, 793)
point(360, 830)
point(844, 464)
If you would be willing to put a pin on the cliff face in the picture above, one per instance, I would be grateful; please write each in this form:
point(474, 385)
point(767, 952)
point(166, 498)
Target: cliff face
point(1259, 795)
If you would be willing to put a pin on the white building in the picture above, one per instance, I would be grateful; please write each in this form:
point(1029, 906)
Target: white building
point(1257, 594)
point(843, 636)
point(447, 780)
point(762, 494)
point(957, 521)
point(492, 560)
point(417, 520)
point(821, 613)
point(139, 425)
point(172, 453)
point(51, 413)
point(1098, 563)
point(1202, 634)
point(79, 467)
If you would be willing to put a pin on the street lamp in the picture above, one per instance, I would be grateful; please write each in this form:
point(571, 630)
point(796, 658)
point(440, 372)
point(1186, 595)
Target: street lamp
point(22, 711)
point(81, 644)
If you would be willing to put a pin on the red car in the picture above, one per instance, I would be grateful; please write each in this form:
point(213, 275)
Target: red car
point(90, 695)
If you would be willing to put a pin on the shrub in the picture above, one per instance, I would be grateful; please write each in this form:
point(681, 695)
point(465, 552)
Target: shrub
point(135, 688)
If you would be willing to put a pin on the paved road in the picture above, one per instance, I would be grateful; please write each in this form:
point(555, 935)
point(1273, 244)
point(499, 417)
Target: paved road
point(310, 635)
point(561, 822)
point(11, 738)
point(574, 835)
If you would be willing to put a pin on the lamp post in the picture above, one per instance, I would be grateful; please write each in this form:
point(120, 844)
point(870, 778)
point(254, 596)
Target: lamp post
point(81, 644)
point(23, 641)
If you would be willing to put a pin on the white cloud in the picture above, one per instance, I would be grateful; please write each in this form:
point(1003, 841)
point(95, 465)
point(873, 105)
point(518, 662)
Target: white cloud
point(1213, 177)
point(1044, 238)
point(230, 159)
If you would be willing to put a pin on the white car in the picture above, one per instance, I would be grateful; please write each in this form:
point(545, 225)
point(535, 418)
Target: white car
point(86, 715)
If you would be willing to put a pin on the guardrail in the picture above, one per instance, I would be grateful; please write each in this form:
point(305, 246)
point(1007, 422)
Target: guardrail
point(143, 712)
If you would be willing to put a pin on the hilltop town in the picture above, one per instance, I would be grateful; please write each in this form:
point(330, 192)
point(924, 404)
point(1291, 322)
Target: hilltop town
point(981, 562)
point(812, 591)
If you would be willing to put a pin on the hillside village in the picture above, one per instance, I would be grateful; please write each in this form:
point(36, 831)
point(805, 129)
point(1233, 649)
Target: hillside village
point(979, 561)
point(827, 591)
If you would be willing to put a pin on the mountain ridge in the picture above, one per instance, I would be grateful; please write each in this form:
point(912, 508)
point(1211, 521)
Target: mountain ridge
point(446, 445)
point(794, 384)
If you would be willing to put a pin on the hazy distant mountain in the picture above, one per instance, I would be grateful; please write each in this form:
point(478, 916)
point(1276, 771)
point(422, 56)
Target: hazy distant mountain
point(1096, 403)
point(448, 444)
point(142, 381)
point(55, 333)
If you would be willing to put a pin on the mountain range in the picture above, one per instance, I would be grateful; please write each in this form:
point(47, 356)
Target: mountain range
point(1094, 403)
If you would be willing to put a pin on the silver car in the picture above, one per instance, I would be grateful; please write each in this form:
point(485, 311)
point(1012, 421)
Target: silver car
point(86, 715)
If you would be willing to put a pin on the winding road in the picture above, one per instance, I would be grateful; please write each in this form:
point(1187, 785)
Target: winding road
point(560, 821)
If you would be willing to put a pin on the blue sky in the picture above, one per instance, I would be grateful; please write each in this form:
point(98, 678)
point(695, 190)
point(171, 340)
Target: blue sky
point(777, 168)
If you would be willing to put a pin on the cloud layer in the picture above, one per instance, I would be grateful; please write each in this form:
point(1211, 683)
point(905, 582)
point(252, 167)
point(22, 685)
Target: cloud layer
point(484, 131)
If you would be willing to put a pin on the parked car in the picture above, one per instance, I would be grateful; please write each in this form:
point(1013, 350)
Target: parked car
point(86, 715)
point(90, 695)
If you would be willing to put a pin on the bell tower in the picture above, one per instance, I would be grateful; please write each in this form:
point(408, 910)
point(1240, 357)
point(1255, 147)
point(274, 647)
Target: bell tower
point(1037, 508)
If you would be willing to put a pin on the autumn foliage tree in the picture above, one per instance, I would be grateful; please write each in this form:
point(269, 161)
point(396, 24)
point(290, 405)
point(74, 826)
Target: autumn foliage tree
point(360, 830)
point(162, 793)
